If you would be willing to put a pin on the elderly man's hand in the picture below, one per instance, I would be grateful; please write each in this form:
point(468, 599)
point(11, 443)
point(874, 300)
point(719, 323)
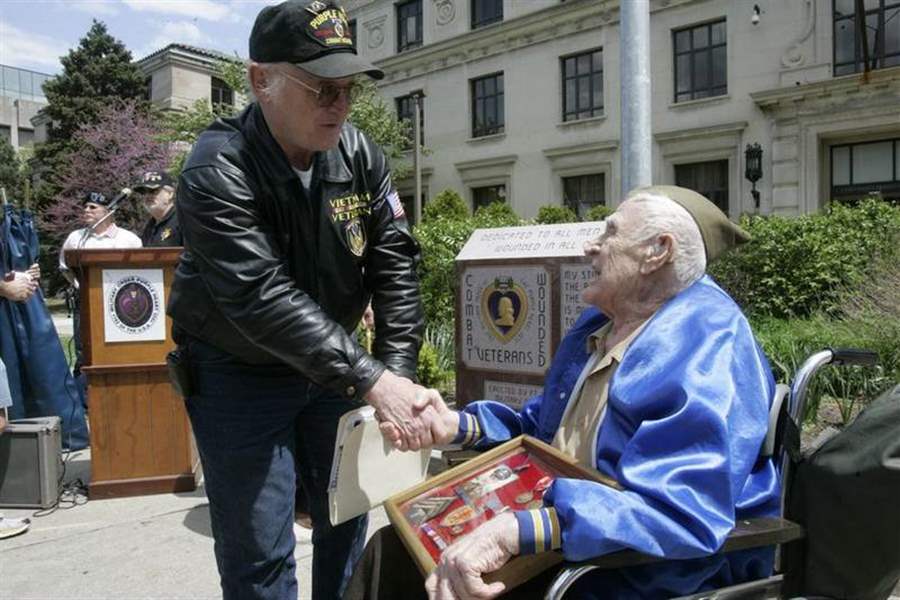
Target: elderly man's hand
point(407, 407)
point(489, 547)
point(20, 288)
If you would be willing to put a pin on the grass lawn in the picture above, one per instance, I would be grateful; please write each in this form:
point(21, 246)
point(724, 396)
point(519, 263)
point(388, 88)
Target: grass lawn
point(69, 348)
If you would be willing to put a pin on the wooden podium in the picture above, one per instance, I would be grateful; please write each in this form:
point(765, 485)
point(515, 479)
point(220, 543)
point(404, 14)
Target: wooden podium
point(141, 440)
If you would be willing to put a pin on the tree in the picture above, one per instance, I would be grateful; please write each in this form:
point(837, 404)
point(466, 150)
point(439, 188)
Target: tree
point(180, 128)
point(234, 74)
point(371, 114)
point(96, 74)
point(10, 171)
point(110, 154)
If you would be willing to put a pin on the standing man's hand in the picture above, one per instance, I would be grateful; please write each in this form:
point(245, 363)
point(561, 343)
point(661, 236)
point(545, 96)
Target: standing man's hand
point(368, 318)
point(489, 547)
point(444, 422)
point(20, 288)
point(408, 408)
point(4, 421)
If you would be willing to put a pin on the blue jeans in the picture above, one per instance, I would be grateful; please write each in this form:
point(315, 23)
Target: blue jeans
point(257, 427)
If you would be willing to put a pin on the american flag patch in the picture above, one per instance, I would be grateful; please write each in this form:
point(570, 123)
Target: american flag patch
point(396, 206)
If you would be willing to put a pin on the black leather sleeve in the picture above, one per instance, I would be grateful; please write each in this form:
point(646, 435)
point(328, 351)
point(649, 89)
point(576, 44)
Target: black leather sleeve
point(236, 258)
point(391, 274)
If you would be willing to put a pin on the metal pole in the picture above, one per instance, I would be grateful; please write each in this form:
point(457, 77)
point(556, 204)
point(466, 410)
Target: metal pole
point(417, 158)
point(634, 66)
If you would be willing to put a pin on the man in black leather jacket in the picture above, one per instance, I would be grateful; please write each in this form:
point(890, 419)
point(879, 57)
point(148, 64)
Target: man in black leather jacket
point(291, 225)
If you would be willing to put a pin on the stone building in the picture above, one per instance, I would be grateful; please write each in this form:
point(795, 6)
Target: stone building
point(522, 98)
point(179, 75)
point(21, 97)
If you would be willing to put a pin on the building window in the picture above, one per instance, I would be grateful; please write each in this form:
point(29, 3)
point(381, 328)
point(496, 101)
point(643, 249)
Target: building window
point(486, 12)
point(352, 24)
point(582, 85)
point(487, 105)
point(700, 61)
point(220, 93)
point(708, 178)
point(26, 137)
point(409, 25)
point(881, 31)
point(6, 133)
point(482, 196)
point(148, 89)
point(859, 169)
point(584, 192)
point(406, 111)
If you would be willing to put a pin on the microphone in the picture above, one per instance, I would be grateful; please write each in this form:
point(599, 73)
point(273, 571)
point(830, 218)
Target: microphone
point(122, 195)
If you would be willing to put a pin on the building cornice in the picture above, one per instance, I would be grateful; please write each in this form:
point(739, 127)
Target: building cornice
point(562, 151)
point(701, 132)
point(494, 161)
point(877, 81)
point(179, 57)
point(563, 19)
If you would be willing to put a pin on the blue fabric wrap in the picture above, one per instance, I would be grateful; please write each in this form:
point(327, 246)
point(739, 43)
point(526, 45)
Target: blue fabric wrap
point(39, 377)
point(686, 416)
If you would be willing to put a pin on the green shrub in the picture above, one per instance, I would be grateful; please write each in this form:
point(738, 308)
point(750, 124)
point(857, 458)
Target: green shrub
point(796, 266)
point(598, 212)
point(441, 240)
point(437, 360)
point(788, 342)
point(447, 204)
point(869, 319)
point(427, 369)
point(553, 213)
point(496, 214)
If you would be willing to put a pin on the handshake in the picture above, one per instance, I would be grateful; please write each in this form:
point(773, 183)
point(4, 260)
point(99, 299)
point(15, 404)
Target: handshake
point(411, 416)
point(19, 286)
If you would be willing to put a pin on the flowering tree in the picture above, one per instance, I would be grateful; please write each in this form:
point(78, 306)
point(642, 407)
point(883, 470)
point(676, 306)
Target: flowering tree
point(110, 154)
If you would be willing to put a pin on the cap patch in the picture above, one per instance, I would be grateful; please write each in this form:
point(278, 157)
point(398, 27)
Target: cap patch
point(316, 6)
point(330, 28)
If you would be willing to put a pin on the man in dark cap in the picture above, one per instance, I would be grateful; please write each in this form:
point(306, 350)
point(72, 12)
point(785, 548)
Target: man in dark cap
point(291, 225)
point(157, 190)
point(659, 385)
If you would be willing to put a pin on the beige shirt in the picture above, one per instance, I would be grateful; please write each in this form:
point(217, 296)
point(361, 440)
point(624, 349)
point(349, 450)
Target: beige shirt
point(576, 435)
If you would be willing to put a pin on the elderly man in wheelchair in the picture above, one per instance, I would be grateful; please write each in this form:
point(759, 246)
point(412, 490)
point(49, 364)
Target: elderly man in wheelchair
point(660, 385)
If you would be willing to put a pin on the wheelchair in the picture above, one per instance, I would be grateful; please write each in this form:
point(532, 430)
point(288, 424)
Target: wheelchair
point(782, 440)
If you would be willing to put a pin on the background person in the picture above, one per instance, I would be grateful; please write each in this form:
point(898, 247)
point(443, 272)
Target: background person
point(291, 224)
point(99, 231)
point(674, 406)
point(8, 527)
point(157, 189)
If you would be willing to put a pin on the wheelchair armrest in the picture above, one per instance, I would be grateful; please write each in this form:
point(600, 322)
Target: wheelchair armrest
point(768, 447)
point(748, 533)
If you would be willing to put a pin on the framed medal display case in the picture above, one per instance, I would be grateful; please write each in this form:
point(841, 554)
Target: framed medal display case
point(513, 476)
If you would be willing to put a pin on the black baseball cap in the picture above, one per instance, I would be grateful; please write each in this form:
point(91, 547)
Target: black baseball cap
point(153, 180)
point(313, 35)
point(95, 198)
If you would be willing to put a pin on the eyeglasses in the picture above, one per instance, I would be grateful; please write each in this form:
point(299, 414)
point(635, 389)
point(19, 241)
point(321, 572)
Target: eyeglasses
point(328, 93)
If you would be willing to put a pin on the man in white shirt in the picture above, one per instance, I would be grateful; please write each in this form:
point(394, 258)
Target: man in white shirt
point(100, 231)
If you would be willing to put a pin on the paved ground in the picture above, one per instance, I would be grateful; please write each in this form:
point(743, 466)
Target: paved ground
point(63, 323)
point(156, 546)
